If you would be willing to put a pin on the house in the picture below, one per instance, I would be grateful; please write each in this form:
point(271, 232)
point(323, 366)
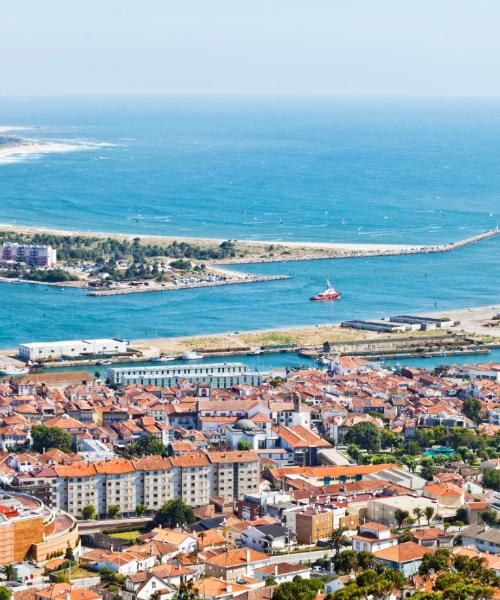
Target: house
point(125, 563)
point(184, 542)
point(65, 591)
point(484, 537)
point(448, 495)
point(143, 585)
point(173, 574)
point(267, 538)
point(282, 572)
point(334, 585)
point(373, 537)
point(211, 588)
point(405, 557)
point(231, 564)
point(433, 537)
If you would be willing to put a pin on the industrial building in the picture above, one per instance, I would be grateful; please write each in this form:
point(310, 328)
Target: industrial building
point(426, 323)
point(218, 375)
point(384, 326)
point(43, 351)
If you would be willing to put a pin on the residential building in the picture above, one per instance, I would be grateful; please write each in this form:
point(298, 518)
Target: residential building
point(406, 557)
point(30, 254)
point(373, 537)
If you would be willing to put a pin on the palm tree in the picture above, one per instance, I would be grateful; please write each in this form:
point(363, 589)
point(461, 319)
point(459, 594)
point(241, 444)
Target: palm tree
point(401, 516)
point(419, 513)
point(338, 539)
point(9, 572)
point(429, 513)
point(201, 536)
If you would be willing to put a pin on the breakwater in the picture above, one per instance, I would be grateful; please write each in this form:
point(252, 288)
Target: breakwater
point(171, 288)
point(352, 251)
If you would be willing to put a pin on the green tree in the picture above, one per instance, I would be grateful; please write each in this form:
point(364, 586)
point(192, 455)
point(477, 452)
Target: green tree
point(244, 445)
point(9, 572)
point(5, 593)
point(187, 591)
point(491, 479)
point(489, 516)
point(88, 513)
point(406, 536)
point(69, 554)
point(45, 438)
point(354, 452)
point(345, 561)
point(146, 445)
point(365, 435)
point(366, 560)
point(140, 509)
point(174, 513)
point(472, 408)
point(298, 589)
point(113, 510)
point(429, 513)
point(419, 513)
point(401, 516)
point(435, 562)
point(422, 595)
point(338, 539)
point(109, 576)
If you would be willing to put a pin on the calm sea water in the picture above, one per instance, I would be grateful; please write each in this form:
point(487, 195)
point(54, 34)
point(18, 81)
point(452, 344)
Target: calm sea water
point(322, 170)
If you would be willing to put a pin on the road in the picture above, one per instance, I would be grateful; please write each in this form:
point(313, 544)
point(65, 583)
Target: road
point(301, 557)
point(110, 524)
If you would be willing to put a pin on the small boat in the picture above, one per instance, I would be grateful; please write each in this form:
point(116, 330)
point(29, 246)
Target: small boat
point(192, 356)
point(329, 294)
point(324, 360)
point(163, 358)
point(14, 371)
point(104, 362)
point(255, 351)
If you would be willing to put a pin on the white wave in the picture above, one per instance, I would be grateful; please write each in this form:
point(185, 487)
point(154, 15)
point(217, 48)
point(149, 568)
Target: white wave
point(26, 149)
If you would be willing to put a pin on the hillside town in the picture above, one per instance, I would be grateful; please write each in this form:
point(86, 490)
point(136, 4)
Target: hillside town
point(357, 481)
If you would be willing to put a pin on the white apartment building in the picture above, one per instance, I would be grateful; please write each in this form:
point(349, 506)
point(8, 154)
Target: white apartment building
point(39, 256)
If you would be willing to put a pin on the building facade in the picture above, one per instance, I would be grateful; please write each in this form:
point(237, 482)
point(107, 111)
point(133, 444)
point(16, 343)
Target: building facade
point(30, 254)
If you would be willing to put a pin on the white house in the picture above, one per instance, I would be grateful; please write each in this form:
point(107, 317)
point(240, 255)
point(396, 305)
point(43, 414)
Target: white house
point(373, 537)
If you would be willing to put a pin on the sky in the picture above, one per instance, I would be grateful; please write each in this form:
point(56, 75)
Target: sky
point(226, 47)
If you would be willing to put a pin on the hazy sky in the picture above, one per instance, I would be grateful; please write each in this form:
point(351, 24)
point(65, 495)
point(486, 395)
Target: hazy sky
point(249, 46)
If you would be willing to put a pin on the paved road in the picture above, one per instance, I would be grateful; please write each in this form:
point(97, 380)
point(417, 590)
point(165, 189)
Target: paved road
point(110, 524)
point(302, 557)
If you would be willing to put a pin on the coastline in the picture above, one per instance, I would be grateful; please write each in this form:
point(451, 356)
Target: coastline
point(471, 323)
point(260, 251)
point(233, 343)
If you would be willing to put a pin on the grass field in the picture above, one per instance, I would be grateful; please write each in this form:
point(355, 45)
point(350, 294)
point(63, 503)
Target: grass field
point(126, 535)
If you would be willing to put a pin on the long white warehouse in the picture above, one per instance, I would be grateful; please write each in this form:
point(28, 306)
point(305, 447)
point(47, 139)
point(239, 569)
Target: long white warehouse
point(42, 351)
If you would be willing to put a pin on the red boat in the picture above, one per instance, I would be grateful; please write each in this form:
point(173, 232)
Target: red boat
point(329, 294)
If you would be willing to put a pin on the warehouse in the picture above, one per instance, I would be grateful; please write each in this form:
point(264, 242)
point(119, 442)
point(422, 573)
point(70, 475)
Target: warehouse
point(43, 351)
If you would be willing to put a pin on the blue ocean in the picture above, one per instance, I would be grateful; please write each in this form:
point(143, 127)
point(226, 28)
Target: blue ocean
point(347, 170)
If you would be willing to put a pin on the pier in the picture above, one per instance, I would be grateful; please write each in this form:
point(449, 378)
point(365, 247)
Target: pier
point(172, 288)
